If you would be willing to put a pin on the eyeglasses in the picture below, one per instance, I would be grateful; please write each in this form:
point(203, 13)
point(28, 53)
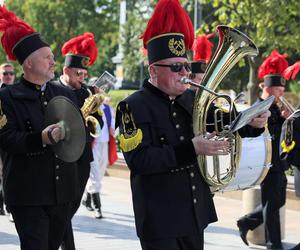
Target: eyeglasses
point(11, 73)
point(176, 67)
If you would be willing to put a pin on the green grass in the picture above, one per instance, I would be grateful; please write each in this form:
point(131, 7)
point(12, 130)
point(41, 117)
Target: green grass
point(118, 95)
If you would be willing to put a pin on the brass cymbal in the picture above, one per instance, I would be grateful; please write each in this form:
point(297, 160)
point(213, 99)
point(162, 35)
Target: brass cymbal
point(62, 110)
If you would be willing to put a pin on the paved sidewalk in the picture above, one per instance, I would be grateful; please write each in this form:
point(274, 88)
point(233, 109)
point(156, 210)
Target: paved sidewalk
point(117, 232)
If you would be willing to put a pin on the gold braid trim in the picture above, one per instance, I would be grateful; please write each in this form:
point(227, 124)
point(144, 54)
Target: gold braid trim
point(287, 148)
point(130, 143)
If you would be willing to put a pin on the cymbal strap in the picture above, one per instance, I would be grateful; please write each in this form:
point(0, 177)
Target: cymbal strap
point(51, 139)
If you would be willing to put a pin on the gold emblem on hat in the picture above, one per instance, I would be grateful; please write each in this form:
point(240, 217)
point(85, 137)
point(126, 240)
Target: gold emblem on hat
point(177, 47)
point(3, 119)
point(85, 61)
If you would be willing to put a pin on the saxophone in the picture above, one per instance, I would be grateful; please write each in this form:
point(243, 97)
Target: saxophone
point(90, 106)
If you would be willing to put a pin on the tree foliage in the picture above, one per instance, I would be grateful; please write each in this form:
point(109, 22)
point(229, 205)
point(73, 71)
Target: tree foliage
point(60, 20)
point(271, 24)
point(133, 62)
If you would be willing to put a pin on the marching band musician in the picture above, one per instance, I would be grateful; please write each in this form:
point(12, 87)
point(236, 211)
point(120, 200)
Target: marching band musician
point(273, 187)
point(39, 187)
point(291, 150)
point(172, 203)
point(7, 74)
point(7, 77)
point(80, 52)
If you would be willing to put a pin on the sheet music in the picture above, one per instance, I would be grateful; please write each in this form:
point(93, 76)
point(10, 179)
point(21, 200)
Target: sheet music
point(245, 116)
point(105, 82)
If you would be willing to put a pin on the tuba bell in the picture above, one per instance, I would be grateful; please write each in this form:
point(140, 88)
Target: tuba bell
point(233, 46)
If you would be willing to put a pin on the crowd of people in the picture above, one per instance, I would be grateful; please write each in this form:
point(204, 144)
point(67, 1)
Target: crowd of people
point(156, 138)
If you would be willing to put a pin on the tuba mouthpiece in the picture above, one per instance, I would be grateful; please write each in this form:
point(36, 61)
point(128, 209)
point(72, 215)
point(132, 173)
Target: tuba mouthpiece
point(185, 80)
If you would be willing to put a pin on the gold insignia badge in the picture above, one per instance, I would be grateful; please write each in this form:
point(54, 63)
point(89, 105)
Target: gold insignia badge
point(177, 47)
point(131, 136)
point(3, 119)
point(85, 61)
point(287, 143)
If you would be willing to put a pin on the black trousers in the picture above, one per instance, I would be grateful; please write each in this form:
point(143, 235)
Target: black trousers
point(68, 239)
point(180, 243)
point(41, 227)
point(273, 196)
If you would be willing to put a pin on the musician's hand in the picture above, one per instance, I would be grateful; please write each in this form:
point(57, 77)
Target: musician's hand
point(261, 120)
point(52, 134)
point(209, 145)
point(285, 113)
point(98, 90)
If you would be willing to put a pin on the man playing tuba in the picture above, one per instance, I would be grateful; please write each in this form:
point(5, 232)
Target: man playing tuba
point(172, 203)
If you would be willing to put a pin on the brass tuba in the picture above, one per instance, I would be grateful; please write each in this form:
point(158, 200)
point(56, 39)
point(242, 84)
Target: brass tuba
point(233, 45)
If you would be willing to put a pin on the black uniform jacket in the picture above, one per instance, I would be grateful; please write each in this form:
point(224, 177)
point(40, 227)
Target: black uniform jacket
point(293, 156)
point(275, 122)
point(170, 197)
point(33, 174)
point(3, 154)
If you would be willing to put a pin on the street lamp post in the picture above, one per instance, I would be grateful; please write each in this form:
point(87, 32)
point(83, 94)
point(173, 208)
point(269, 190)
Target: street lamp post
point(197, 14)
point(119, 57)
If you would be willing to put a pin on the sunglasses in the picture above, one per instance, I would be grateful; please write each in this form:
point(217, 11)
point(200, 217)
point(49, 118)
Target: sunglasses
point(11, 73)
point(176, 67)
point(81, 73)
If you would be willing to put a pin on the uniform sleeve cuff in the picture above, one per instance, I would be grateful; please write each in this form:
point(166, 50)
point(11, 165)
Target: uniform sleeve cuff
point(185, 153)
point(249, 131)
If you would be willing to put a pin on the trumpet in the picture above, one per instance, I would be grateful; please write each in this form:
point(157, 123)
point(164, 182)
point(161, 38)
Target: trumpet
point(285, 106)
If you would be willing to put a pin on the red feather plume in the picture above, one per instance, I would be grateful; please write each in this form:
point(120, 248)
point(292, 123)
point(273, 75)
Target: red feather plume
point(275, 64)
point(82, 45)
point(169, 17)
point(202, 48)
point(14, 29)
point(292, 71)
